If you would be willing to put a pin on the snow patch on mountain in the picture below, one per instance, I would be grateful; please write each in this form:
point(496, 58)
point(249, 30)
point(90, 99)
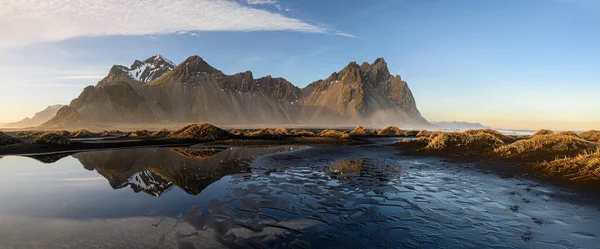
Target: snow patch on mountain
point(150, 69)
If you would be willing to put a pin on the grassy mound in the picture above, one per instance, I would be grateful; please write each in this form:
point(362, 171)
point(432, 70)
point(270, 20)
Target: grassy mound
point(281, 131)
point(411, 133)
point(462, 143)
point(63, 133)
point(302, 133)
point(569, 133)
point(592, 135)
point(546, 147)
point(506, 139)
point(202, 131)
point(423, 133)
point(360, 131)
point(51, 138)
point(544, 132)
point(82, 134)
point(375, 132)
point(139, 133)
point(333, 133)
point(7, 140)
point(161, 133)
point(584, 167)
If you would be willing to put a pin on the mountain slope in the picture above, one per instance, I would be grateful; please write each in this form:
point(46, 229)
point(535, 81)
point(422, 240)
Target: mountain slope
point(195, 91)
point(37, 119)
point(365, 94)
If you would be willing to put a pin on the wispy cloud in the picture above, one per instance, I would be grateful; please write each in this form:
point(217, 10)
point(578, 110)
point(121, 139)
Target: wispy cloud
point(27, 22)
point(261, 2)
point(345, 34)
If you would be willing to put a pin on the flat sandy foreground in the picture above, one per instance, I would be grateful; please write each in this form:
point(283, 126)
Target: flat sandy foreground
point(566, 157)
point(150, 232)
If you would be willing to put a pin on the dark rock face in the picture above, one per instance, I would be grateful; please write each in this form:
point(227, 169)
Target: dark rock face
point(194, 91)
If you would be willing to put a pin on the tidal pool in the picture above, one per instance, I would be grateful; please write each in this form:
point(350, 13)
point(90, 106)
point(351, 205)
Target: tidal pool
point(281, 197)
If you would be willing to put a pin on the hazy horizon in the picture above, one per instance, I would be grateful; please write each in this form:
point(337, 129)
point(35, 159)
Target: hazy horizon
point(506, 64)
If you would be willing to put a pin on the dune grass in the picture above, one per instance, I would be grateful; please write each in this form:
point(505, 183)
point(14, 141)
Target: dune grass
point(569, 133)
point(161, 133)
point(543, 132)
point(201, 131)
point(584, 167)
point(360, 131)
point(82, 134)
point(424, 133)
point(411, 133)
point(461, 143)
point(592, 135)
point(332, 133)
point(545, 147)
point(51, 138)
point(391, 131)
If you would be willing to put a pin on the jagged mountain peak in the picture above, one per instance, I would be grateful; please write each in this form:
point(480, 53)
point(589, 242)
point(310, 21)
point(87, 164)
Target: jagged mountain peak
point(140, 71)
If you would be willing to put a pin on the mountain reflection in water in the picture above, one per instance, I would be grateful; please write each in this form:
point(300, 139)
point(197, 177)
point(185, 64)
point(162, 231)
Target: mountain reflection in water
point(156, 170)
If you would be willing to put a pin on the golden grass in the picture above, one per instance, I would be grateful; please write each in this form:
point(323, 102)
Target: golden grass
point(505, 139)
point(424, 133)
point(583, 167)
point(161, 133)
point(201, 131)
point(391, 131)
point(302, 133)
point(544, 132)
point(464, 143)
point(360, 131)
point(51, 138)
point(331, 133)
point(82, 134)
point(411, 133)
point(281, 131)
point(568, 133)
point(592, 135)
point(375, 132)
point(546, 147)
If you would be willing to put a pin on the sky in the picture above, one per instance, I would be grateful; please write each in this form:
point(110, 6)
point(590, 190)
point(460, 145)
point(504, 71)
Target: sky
point(517, 64)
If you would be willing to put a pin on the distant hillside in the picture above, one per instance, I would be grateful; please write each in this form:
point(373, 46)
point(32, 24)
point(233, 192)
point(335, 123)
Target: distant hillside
point(37, 119)
point(455, 125)
point(154, 90)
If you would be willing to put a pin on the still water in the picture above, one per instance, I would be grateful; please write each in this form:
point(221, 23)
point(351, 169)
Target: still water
point(281, 197)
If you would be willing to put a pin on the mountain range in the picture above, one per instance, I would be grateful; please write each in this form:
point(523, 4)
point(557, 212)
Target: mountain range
point(37, 119)
point(155, 90)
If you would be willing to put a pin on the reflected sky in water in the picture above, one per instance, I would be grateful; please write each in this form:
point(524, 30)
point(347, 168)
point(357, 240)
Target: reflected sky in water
point(281, 197)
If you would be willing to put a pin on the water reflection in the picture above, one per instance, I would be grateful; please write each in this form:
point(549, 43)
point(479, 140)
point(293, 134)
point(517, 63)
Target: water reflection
point(156, 170)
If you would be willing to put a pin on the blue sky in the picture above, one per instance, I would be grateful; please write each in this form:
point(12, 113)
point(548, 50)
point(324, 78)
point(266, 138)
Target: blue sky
point(511, 64)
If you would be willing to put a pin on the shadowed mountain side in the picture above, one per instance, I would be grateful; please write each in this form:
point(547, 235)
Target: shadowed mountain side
point(161, 167)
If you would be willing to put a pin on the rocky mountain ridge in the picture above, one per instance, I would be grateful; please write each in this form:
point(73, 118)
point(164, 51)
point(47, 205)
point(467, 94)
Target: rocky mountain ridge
point(195, 91)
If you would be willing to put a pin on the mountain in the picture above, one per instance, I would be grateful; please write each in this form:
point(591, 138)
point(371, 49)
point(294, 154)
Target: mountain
point(362, 95)
point(37, 119)
point(455, 125)
point(140, 71)
point(195, 91)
